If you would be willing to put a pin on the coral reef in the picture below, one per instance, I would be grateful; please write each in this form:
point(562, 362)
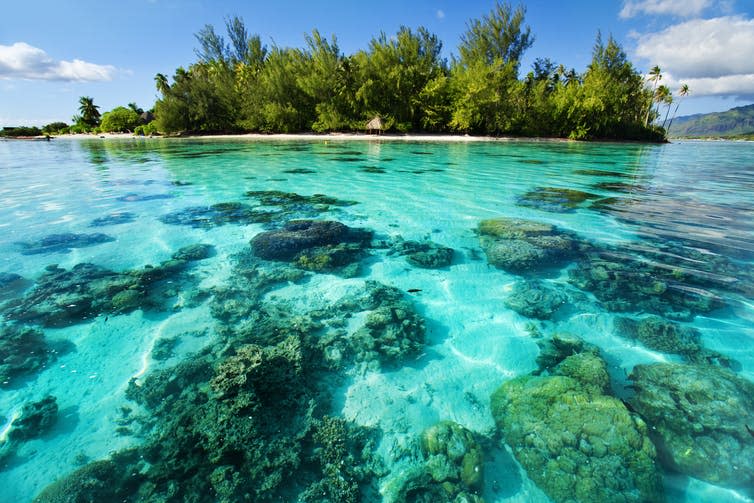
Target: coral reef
point(554, 199)
point(453, 455)
point(517, 245)
point(424, 254)
point(535, 299)
point(95, 482)
point(446, 468)
point(63, 243)
point(23, 350)
point(701, 418)
point(392, 329)
point(669, 337)
point(576, 443)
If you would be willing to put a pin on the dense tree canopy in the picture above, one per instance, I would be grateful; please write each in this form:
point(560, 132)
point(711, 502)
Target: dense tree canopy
point(239, 84)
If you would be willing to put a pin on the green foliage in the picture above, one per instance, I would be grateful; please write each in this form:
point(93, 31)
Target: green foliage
point(238, 84)
point(90, 115)
point(119, 120)
point(55, 128)
point(147, 129)
point(497, 37)
point(20, 131)
point(401, 78)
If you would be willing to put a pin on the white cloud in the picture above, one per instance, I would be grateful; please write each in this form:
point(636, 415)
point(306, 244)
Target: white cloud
point(440, 14)
point(727, 85)
point(713, 54)
point(23, 61)
point(681, 8)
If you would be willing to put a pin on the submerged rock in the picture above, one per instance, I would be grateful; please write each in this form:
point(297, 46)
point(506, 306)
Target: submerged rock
point(701, 419)
point(426, 254)
point(557, 348)
point(63, 243)
point(137, 198)
point(317, 245)
point(453, 455)
point(290, 201)
point(554, 199)
point(95, 482)
point(392, 330)
point(64, 297)
point(446, 468)
point(576, 443)
point(669, 337)
point(23, 350)
point(12, 284)
point(199, 251)
point(535, 299)
point(35, 420)
point(207, 217)
point(625, 283)
point(121, 217)
point(517, 245)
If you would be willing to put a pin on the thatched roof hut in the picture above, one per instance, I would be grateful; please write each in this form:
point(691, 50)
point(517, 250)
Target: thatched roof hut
point(374, 125)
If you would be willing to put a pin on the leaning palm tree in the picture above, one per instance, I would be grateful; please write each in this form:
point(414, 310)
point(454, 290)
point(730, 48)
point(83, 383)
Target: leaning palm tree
point(89, 111)
point(683, 91)
point(668, 102)
point(655, 75)
point(161, 81)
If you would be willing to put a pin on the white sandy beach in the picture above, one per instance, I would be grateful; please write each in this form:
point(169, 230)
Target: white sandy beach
point(439, 138)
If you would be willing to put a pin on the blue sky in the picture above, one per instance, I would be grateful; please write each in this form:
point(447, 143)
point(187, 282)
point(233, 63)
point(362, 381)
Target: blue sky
point(53, 51)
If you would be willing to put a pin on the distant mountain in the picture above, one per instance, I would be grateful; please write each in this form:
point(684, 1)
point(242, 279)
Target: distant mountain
point(735, 122)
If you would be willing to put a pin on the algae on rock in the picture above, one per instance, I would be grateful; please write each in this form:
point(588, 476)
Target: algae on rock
point(701, 418)
point(518, 245)
point(576, 443)
point(535, 299)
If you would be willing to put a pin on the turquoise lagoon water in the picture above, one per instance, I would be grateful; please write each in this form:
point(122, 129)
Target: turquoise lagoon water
point(684, 209)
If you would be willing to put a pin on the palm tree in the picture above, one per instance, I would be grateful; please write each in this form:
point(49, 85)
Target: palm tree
point(667, 101)
point(571, 77)
point(660, 96)
point(161, 81)
point(655, 75)
point(134, 107)
point(683, 91)
point(89, 111)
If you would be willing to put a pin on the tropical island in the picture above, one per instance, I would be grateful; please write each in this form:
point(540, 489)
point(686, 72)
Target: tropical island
point(239, 85)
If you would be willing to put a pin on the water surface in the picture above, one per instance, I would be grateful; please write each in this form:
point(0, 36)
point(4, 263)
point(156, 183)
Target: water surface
point(680, 215)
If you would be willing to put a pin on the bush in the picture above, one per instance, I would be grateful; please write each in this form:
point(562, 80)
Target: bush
point(55, 128)
point(119, 119)
point(147, 129)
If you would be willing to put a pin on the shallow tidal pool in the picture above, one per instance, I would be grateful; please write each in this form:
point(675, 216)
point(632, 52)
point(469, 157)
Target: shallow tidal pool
point(325, 320)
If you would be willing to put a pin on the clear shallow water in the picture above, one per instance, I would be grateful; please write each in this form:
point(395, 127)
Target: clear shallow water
point(680, 206)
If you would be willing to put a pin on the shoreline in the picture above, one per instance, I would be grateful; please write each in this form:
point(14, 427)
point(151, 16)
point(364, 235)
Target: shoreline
point(389, 137)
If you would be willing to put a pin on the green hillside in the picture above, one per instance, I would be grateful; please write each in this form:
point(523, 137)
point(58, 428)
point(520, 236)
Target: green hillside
point(735, 122)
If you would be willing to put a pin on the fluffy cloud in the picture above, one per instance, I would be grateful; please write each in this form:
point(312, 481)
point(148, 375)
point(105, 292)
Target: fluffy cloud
point(440, 14)
point(715, 55)
point(682, 8)
point(23, 61)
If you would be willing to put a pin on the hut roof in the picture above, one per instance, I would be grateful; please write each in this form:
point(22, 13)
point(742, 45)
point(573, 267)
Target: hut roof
point(375, 123)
